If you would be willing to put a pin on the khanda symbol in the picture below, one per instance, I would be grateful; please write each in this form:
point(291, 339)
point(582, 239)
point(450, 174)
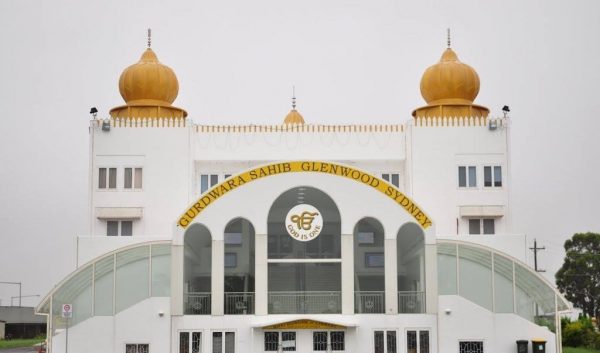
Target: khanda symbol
point(304, 220)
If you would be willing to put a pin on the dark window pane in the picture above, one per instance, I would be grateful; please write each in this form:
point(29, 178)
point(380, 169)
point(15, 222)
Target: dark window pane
point(319, 341)
point(487, 176)
point(112, 228)
point(396, 180)
point(102, 178)
point(126, 227)
point(128, 182)
point(385, 177)
point(217, 342)
point(229, 342)
point(112, 178)
point(230, 260)
point(184, 342)
point(472, 177)
point(214, 179)
point(196, 342)
point(462, 176)
point(338, 340)
point(271, 341)
point(411, 341)
point(391, 341)
point(471, 347)
point(379, 342)
point(497, 176)
point(474, 226)
point(488, 226)
point(374, 260)
point(424, 341)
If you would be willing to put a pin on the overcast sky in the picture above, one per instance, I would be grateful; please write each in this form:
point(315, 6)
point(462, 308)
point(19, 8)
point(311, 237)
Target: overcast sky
point(351, 62)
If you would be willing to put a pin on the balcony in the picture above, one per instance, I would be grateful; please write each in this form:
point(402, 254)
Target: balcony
point(197, 303)
point(411, 302)
point(369, 302)
point(239, 303)
point(305, 302)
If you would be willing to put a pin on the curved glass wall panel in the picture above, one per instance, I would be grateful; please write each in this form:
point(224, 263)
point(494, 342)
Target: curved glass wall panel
point(503, 285)
point(131, 277)
point(239, 267)
point(447, 269)
point(161, 270)
point(103, 286)
point(369, 266)
point(475, 280)
point(197, 270)
point(77, 292)
point(282, 246)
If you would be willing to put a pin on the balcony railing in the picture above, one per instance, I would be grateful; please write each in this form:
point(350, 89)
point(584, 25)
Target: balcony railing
point(197, 303)
point(369, 302)
point(239, 303)
point(305, 302)
point(411, 302)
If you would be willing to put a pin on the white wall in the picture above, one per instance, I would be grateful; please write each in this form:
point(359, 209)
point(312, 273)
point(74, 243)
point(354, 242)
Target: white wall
point(468, 321)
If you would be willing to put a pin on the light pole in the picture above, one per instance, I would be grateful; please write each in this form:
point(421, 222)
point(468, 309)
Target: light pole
point(19, 283)
point(22, 296)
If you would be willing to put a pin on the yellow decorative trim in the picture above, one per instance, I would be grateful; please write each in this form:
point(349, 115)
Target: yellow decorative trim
point(235, 181)
point(304, 324)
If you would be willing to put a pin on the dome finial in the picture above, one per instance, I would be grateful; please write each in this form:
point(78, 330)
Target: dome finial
point(449, 38)
point(149, 37)
point(294, 97)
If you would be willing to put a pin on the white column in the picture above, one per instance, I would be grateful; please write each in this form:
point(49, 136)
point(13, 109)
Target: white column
point(431, 280)
point(261, 288)
point(347, 274)
point(391, 277)
point(177, 279)
point(217, 277)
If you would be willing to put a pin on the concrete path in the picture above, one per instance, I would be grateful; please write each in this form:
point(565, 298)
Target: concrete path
point(19, 350)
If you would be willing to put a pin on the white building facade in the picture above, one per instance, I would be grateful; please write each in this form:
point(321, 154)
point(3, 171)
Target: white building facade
point(301, 237)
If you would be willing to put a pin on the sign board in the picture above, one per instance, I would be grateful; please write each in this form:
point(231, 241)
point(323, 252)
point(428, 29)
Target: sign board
point(67, 311)
point(304, 222)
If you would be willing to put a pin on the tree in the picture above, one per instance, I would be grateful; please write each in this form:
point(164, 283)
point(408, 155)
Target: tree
point(579, 277)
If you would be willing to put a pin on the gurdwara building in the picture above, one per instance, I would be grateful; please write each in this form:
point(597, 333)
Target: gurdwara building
point(301, 236)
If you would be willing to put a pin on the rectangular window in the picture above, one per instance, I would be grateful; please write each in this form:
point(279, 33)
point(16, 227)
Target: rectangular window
point(467, 176)
point(417, 341)
point(132, 178)
point(288, 341)
point(482, 226)
point(392, 178)
point(385, 177)
point(324, 341)
point(115, 228)
point(233, 238)
point(137, 348)
point(207, 181)
point(223, 346)
point(470, 347)
point(189, 346)
point(271, 341)
point(385, 341)
point(338, 340)
point(492, 179)
point(320, 341)
point(230, 260)
point(374, 259)
point(107, 177)
point(128, 182)
point(366, 238)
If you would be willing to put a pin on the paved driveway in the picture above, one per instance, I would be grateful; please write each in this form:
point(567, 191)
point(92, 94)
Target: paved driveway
point(18, 350)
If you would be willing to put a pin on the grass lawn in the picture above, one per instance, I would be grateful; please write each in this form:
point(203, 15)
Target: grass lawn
point(19, 343)
point(579, 350)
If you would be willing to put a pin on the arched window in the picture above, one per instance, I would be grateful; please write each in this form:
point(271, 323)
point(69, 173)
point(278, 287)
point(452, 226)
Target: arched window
point(410, 249)
point(197, 270)
point(304, 274)
point(369, 266)
point(239, 267)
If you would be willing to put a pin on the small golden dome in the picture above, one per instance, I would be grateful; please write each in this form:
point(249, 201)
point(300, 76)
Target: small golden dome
point(148, 79)
point(148, 88)
point(293, 117)
point(450, 80)
point(449, 88)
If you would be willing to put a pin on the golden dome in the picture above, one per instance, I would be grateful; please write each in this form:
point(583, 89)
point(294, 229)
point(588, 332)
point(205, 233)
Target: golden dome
point(148, 87)
point(449, 88)
point(293, 117)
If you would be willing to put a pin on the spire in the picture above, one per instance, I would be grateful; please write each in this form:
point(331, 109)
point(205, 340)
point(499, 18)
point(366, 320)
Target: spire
point(449, 38)
point(294, 97)
point(149, 37)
